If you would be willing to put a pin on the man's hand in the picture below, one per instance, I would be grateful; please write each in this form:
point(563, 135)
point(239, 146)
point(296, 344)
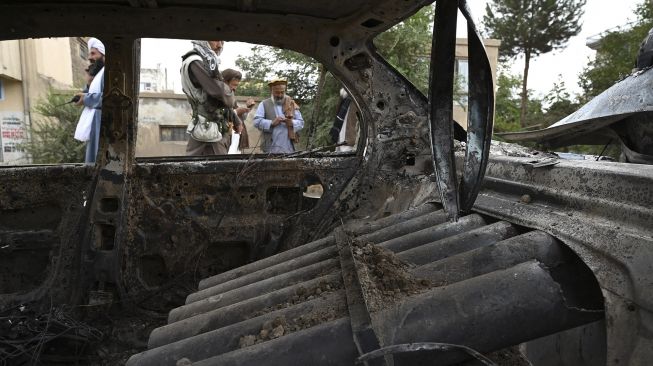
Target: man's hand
point(241, 110)
point(238, 128)
point(81, 99)
point(250, 103)
point(289, 122)
point(277, 120)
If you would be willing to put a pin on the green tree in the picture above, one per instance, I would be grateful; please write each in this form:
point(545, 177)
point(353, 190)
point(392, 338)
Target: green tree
point(266, 62)
point(407, 47)
point(616, 54)
point(51, 133)
point(559, 103)
point(507, 104)
point(529, 28)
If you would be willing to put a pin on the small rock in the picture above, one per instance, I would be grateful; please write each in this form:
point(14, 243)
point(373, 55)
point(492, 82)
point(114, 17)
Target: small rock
point(267, 325)
point(264, 333)
point(318, 291)
point(246, 341)
point(278, 321)
point(277, 332)
point(526, 198)
point(184, 362)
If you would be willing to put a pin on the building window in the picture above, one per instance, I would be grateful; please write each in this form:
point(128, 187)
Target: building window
point(173, 133)
point(2, 90)
point(146, 86)
point(83, 51)
point(462, 77)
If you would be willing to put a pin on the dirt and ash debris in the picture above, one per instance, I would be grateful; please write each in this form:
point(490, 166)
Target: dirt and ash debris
point(280, 326)
point(384, 278)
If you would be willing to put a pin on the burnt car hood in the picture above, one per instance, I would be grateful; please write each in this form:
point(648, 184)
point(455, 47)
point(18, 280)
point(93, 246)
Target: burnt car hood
point(628, 97)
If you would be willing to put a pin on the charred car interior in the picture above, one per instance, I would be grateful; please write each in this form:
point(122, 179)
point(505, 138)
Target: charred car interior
point(429, 244)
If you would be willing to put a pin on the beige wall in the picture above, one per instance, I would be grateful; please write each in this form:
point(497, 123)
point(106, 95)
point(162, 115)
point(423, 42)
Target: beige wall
point(53, 59)
point(13, 96)
point(10, 60)
point(156, 110)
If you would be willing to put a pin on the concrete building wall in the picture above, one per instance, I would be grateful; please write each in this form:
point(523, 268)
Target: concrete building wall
point(10, 60)
point(53, 59)
point(157, 111)
point(79, 60)
point(12, 122)
point(12, 95)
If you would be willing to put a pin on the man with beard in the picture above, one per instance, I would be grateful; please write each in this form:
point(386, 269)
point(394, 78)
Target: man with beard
point(279, 120)
point(88, 128)
point(210, 98)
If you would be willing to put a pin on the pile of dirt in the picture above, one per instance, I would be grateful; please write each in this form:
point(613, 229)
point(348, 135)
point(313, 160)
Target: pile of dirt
point(384, 278)
point(509, 357)
point(303, 294)
point(281, 326)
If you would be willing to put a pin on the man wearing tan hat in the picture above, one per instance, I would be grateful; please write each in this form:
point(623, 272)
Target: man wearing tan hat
point(279, 120)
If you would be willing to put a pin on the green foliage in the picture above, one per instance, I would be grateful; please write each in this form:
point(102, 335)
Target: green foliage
point(616, 54)
point(506, 115)
point(407, 47)
point(324, 115)
point(559, 102)
point(51, 133)
point(530, 28)
point(267, 62)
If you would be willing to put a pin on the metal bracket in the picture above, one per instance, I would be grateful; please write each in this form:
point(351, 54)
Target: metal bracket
point(458, 198)
point(359, 316)
point(426, 346)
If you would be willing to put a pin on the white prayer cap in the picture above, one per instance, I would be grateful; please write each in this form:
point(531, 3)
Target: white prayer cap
point(97, 44)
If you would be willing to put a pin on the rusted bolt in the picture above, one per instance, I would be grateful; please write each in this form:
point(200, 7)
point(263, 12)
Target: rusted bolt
point(526, 198)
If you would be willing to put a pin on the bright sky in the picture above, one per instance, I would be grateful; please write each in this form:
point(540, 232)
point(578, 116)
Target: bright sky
point(569, 62)
point(599, 16)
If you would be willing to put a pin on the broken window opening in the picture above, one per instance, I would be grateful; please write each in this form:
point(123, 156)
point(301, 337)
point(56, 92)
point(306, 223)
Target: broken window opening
point(164, 110)
point(38, 79)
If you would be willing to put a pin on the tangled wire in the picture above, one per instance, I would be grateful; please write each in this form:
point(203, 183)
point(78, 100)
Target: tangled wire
point(24, 334)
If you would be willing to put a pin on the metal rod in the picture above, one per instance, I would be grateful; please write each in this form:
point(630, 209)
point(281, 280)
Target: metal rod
point(406, 227)
point(227, 339)
point(276, 270)
point(533, 245)
point(480, 114)
point(433, 233)
point(524, 302)
point(267, 262)
point(441, 79)
point(233, 312)
point(360, 227)
point(452, 245)
point(270, 284)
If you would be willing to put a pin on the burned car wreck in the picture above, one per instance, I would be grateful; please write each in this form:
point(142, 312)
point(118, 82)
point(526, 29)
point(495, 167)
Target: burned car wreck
point(420, 249)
